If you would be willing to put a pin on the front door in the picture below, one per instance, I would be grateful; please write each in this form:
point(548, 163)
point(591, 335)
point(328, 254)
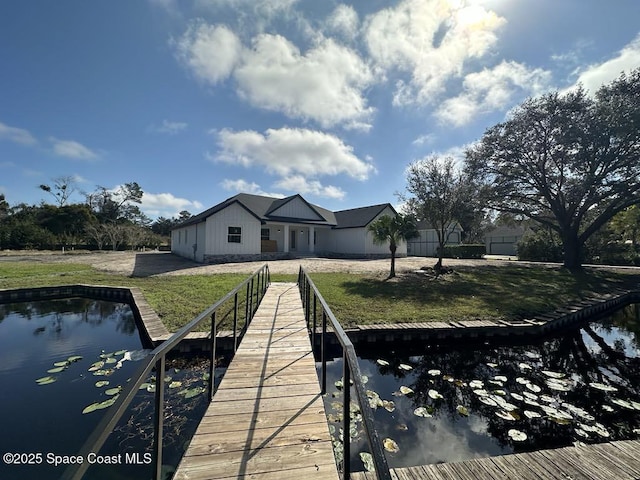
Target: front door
point(292, 243)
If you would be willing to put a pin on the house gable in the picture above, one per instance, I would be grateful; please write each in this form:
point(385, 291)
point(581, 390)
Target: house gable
point(294, 207)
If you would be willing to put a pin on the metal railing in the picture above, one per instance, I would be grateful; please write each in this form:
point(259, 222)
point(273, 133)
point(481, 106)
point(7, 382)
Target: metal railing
point(256, 285)
point(312, 302)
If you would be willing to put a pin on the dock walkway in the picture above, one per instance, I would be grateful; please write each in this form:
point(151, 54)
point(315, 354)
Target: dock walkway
point(267, 419)
point(618, 460)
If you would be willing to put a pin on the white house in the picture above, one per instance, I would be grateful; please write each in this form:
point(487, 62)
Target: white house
point(248, 227)
point(426, 245)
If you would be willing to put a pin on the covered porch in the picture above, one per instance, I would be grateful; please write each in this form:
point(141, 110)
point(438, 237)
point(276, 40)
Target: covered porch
point(289, 237)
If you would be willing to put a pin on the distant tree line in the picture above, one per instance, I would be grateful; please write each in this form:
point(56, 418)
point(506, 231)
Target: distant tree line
point(565, 165)
point(107, 219)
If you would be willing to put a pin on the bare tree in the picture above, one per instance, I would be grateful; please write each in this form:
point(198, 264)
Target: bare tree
point(437, 195)
point(62, 188)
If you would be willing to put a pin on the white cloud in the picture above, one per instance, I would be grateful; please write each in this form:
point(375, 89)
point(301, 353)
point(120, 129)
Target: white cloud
point(594, 76)
point(72, 149)
point(17, 135)
point(166, 204)
point(430, 39)
point(299, 184)
point(211, 52)
point(292, 151)
point(169, 128)
point(492, 89)
point(424, 139)
point(242, 186)
point(324, 84)
point(344, 21)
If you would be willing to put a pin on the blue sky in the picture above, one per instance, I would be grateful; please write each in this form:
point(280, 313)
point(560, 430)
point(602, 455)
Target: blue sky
point(197, 100)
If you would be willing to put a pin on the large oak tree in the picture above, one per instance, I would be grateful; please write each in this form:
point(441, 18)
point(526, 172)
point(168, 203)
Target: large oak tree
point(568, 161)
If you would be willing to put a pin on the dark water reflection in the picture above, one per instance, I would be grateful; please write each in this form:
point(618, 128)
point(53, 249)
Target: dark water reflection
point(48, 418)
point(603, 353)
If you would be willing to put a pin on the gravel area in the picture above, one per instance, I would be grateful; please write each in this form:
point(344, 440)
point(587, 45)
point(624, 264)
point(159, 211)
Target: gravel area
point(165, 263)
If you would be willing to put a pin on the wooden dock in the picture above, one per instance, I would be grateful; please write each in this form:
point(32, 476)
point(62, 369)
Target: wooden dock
point(267, 419)
point(607, 461)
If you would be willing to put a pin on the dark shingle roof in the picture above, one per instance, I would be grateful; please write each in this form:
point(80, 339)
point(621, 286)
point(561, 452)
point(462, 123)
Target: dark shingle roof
point(359, 217)
point(260, 207)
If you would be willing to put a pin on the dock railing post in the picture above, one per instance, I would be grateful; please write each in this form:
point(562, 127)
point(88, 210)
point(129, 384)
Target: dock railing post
point(235, 323)
point(323, 359)
point(346, 417)
point(212, 365)
point(158, 418)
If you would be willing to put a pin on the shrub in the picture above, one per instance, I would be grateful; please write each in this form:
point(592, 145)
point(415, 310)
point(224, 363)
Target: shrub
point(540, 246)
point(465, 251)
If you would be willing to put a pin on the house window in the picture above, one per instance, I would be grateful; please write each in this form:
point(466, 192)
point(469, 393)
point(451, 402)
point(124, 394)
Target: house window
point(234, 235)
point(264, 234)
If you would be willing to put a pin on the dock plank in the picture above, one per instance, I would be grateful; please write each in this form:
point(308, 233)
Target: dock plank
point(267, 419)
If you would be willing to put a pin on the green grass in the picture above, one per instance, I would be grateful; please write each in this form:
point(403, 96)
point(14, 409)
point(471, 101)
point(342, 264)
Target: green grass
point(467, 294)
point(176, 299)
point(489, 292)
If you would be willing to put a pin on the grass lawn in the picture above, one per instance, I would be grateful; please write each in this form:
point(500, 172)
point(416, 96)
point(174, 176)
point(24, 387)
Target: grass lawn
point(468, 293)
point(176, 299)
point(489, 292)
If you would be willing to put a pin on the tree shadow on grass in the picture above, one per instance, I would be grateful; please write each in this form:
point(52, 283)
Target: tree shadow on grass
point(507, 292)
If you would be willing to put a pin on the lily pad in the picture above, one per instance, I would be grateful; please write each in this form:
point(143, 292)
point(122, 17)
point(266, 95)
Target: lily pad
point(405, 367)
point(100, 405)
point(175, 384)
point(500, 378)
point(382, 363)
point(109, 360)
point(551, 374)
point(74, 358)
point(530, 414)
point(476, 384)
point(603, 387)
point(522, 380)
point(492, 365)
point(505, 415)
point(388, 405)
point(367, 461)
point(517, 396)
point(462, 410)
point(61, 364)
point(390, 445)
point(533, 387)
point(434, 372)
point(422, 412)
point(46, 380)
point(194, 392)
point(113, 391)
point(102, 383)
point(517, 435)
point(434, 394)
point(56, 369)
point(406, 390)
point(524, 366)
point(488, 401)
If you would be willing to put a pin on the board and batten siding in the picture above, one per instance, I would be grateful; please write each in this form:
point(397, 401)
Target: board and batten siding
point(296, 208)
point(372, 249)
point(358, 241)
point(217, 229)
point(183, 241)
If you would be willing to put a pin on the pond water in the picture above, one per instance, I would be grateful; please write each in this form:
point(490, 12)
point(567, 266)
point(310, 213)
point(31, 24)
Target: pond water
point(446, 403)
point(62, 362)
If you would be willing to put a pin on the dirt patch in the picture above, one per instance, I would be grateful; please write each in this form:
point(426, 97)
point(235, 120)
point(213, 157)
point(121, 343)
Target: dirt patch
point(165, 263)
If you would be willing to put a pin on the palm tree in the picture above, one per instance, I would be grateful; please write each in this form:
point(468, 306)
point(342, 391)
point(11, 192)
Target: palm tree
point(393, 230)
